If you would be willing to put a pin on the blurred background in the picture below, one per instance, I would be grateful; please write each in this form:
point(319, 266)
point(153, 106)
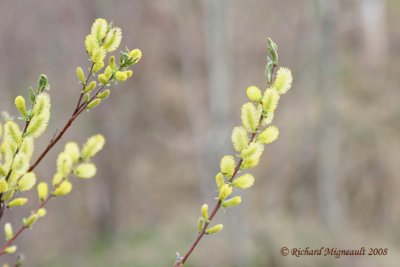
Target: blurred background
point(330, 180)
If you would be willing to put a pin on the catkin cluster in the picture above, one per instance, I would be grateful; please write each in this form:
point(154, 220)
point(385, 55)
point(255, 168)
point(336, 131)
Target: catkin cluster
point(17, 142)
point(249, 139)
point(105, 38)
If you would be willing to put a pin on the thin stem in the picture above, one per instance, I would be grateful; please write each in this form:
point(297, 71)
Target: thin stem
point(77, 111)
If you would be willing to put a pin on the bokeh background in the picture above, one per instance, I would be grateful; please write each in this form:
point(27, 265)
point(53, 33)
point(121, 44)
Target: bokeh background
point(332, 178)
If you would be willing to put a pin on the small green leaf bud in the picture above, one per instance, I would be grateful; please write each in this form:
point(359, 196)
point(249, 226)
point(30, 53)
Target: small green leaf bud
point(42, 191)
point(94, 103)
point(244, 181)
point(254, 93)
point(85, 170)
point(225, 191)
point(21, 105)
point(10, 249)
point(80, 75)
point(215, 229)
point(232, 202)
point(27, 181)
point(8, 230)
point(227, 165)
point(43, 83)
point(17, 202)
point(269, 135)
point(135, 55)
point(90, 87)
point(204, 212)
point(219, 180)
point(63, 189)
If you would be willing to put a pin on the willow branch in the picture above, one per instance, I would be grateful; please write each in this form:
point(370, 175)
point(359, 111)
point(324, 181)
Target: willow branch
point(217, 206)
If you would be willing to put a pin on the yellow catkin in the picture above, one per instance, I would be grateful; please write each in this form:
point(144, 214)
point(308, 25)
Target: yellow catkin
point(215, 229)
point(135, 55)
point(17, 202)
point(3, 186)
point(239, 138)
point(254, 93)
point(85, 170)
point(250, 117)
point(20, 105)
point(113, 39)
point(80, 75)
point(42, 191)
point(227, 165)
point(27, 181)
point(269, 135)
point(219, 180)
point(8, 231)
point(244, 181)
point(204, 212)
point(283, 80)
point(92, 146)
point(232, 202)
point(225, 191)
point(63, 189)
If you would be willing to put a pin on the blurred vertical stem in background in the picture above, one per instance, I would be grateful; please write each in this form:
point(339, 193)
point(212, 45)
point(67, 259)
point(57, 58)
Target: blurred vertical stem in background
point(248, 141)
point(328, 145)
